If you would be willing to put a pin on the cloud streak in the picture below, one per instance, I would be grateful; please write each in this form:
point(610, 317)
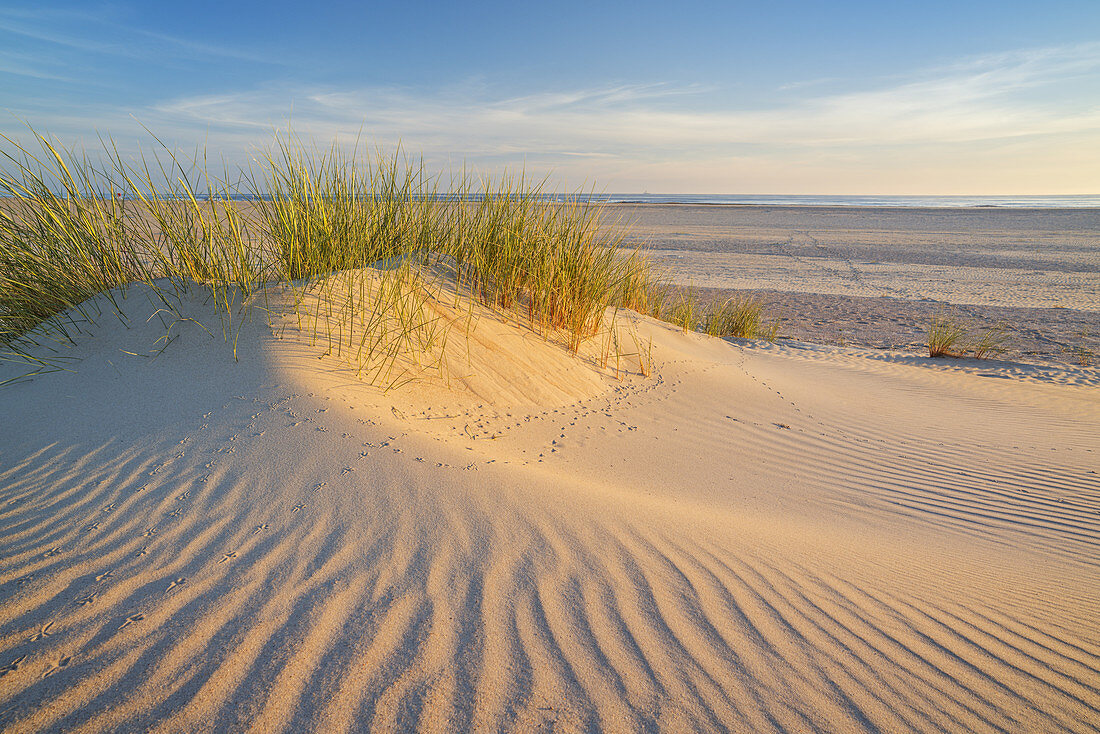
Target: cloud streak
point(988, 98)
point(1005, 99)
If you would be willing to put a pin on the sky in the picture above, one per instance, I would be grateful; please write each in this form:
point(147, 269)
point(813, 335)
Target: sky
point(966, 97)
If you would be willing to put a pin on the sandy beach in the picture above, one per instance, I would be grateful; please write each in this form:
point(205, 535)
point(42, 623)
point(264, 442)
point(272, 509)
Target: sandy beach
point(755, 537)
point(874, 276)
point(521, 368)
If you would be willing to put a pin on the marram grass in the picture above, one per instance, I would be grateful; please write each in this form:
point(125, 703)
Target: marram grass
point(363, 244)
point(949, 336)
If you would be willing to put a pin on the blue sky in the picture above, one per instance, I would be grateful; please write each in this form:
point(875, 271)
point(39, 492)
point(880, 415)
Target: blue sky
point(689, 97)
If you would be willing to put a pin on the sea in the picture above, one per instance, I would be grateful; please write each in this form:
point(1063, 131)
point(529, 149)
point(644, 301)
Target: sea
point(1082, 201)
point(1076, 201)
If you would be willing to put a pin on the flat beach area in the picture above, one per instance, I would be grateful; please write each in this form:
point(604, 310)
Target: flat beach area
point(874, 276)
point(229, 530)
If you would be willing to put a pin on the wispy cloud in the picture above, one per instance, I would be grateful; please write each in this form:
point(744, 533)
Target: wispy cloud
point(1046, 94)
point(100, 32)
point(987, 98)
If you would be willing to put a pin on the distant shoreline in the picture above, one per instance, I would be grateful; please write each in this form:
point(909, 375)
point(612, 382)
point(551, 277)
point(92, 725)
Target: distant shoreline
point(1078, 204)
point(853, 207)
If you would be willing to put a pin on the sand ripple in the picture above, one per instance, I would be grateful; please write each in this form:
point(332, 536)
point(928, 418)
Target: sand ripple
point(759, 540)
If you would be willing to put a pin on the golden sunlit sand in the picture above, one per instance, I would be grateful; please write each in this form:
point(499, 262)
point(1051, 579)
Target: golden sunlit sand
point(754, 537)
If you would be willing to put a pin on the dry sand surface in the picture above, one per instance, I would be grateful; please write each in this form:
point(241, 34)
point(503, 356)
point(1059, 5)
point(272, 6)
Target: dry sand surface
point(873, 276)
point(754, 538)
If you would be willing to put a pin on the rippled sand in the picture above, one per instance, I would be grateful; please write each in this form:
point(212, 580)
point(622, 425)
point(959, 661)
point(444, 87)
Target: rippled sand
point(754, 538)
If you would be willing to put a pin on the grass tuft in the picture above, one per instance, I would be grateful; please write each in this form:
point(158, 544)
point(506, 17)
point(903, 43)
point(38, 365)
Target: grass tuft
point(740, 316)
point(946, 336)
point(949, 336)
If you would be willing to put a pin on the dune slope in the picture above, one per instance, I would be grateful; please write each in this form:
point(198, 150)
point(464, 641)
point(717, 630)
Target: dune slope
point(754, 538)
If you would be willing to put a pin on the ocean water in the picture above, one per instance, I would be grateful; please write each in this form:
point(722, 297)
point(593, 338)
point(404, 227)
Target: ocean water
point(1017, 202)
point(1083, 201)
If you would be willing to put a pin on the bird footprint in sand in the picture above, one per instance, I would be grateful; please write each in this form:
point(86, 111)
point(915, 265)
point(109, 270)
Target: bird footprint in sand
point(109, 507)
point(227, 556)
point(149, 532)
point(130, 620)
point(42, 633)
point(260, 528)
point(61, 665)
point(106, 575)
point(178, 582)
point(298, 507)
point(12, 666)
point(55, 551)
point(93, 526)
point(85, 600)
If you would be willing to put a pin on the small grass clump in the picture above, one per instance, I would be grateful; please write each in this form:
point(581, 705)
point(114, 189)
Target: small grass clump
point(946, 336)
point(740, 316)
point(992, 342)
point(949, 336)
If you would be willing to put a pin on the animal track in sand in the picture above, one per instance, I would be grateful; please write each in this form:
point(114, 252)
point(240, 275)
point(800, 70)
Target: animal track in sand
point(298, 507)
point(227, 557)
point(43, 633)
point(178, 582)
point(55, 551)
point(105, 575)
point(149, 532)
point(109, 508)
point(142, 551)
point(61, 665)
point(260, 528)
point(87, 599)
point(12, 666)
point(90, 528)
point(131, 619)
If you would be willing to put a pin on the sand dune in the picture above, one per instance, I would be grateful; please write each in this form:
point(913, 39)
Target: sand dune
point(754, 538)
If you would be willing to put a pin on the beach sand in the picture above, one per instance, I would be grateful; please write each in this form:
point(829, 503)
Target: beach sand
point(874, 276)
point(756, 537)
